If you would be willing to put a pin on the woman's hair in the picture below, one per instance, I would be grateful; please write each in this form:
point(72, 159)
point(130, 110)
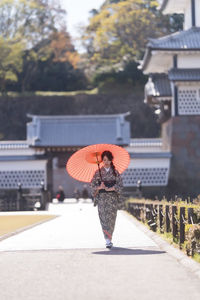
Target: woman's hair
point(109, 155)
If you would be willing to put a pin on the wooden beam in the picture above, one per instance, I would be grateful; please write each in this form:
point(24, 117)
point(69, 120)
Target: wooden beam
point(175, 100)
point(193, 13)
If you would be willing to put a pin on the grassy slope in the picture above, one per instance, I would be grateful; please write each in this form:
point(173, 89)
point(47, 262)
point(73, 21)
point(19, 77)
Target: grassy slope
point(11, 223)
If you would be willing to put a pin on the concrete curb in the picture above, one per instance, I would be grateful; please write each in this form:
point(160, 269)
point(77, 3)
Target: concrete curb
point(20, 230)
point(182, 258)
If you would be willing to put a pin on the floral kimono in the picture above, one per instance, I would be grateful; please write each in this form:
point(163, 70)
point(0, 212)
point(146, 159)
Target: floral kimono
point(107, 201)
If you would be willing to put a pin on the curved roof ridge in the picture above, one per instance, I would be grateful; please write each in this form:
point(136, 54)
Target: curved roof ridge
point(174, 36)
point(78, 116)
point(184, 74)
point(170, 35)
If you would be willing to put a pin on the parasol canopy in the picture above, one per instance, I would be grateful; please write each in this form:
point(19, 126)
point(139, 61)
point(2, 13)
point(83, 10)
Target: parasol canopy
point(83, 163)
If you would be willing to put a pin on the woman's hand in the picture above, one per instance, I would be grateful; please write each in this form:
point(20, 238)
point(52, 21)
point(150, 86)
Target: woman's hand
point(102, 186)
point(112, 189)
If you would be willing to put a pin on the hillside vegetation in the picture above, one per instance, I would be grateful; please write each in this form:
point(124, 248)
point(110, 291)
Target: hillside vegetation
point(14, 110)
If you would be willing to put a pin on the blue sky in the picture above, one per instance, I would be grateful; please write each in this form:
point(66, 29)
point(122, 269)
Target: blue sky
point(78, 13)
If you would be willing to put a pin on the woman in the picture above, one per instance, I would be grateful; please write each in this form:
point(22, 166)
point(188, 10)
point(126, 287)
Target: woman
point(60, 195)
point(106, 188)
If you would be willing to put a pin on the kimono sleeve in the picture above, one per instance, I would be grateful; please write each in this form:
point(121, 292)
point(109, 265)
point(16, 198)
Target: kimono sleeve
point(94, 183)
point(119, 184)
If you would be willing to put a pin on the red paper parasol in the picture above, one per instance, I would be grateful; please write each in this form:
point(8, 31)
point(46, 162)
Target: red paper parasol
point(83, 163)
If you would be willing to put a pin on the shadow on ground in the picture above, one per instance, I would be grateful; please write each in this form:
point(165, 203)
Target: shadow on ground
point(128, 251)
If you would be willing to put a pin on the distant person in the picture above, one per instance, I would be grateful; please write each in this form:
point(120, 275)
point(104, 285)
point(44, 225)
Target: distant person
point(85, 194)
point(76, 194)
point(60, 195)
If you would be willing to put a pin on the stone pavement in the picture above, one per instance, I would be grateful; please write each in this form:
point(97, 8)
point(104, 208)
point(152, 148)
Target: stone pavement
point(65, 258)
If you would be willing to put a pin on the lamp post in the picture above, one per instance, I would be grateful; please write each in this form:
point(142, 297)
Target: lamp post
point(19, 196)
point(139, 188)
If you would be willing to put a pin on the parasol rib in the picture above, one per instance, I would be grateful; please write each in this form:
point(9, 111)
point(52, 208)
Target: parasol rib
point(98, 166)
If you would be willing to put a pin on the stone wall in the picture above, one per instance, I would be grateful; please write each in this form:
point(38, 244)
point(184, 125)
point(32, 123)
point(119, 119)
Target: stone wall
point(181, 136)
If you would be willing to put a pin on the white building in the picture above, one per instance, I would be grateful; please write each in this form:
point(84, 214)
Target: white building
point(51, 140)
point(173, 65)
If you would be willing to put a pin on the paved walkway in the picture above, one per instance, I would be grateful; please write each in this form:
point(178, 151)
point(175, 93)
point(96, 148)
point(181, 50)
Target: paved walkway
point(65, 259)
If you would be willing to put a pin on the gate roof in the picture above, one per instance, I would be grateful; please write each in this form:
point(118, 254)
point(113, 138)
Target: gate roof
point(78, 130)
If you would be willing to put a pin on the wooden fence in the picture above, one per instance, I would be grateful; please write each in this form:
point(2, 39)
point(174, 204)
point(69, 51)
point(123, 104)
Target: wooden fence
point(180, 220)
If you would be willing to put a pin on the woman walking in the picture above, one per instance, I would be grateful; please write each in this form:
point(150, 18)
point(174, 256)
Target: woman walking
point(106, 188)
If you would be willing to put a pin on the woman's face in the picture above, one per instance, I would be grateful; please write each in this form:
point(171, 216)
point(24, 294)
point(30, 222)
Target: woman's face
point(106, 162)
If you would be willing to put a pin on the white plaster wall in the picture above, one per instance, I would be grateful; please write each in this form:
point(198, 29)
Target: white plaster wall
point(197, 3)
point(160, 62)
point(146, 149)
point(138, 163)
point(175, 6)
point(152, 172)
point(189, 61)
point(29, 173)
point(23, 165)
point(188, 15)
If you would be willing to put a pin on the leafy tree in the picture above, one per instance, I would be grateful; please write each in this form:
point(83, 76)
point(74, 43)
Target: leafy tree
point(31, 20)
point(24, 25)
point(112, 1)
point(57, 76)
point(40, 26)
point(63, 49)
point(130, 76)
point(111, 37)
point(119, 32)
point(56, 71)
point(10, 61)
point(31, 59)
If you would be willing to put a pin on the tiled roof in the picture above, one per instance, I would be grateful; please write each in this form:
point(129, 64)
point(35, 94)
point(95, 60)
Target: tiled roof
point(188, 40)
point(184, 74)
point(152, 155)
point(158, 85)
point(146, 142)
point(78, 130)
point(13, 145)
point(183, 40)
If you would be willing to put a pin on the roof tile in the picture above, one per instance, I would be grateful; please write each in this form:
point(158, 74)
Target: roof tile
point(184, 74)
point(80, 130)
point(183, 40)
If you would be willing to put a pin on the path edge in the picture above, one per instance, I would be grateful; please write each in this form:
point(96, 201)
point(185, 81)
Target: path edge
point(181, 257)
point(20, 230)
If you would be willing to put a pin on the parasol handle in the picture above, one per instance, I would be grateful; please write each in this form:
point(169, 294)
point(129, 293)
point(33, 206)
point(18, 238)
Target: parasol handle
point(98, 167)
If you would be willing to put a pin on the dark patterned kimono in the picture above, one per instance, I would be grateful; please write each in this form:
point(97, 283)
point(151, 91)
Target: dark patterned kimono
point(107, 201)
